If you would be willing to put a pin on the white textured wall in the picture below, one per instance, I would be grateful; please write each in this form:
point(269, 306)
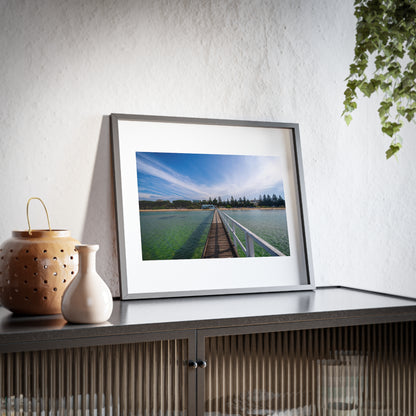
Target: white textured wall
point(66, 65)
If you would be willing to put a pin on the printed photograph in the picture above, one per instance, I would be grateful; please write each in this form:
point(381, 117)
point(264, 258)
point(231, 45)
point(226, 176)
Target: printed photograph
point(204, 206)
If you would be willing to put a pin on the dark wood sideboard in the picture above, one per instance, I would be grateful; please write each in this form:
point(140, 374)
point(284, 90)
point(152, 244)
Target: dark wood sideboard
point(332, 351)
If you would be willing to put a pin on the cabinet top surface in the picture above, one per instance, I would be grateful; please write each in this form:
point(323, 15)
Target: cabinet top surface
point(215, 311)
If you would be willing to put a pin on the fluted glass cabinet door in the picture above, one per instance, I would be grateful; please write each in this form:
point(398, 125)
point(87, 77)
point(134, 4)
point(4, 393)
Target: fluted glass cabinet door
point(361, 370)
point(144, 378)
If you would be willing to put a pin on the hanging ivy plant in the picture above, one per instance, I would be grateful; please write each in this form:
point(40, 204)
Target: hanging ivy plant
point(385, 60)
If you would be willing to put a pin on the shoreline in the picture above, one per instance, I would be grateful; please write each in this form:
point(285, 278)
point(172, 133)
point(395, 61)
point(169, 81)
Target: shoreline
point(200, 209)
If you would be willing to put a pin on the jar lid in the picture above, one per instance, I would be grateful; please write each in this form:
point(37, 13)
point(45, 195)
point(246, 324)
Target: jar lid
point(41, 234)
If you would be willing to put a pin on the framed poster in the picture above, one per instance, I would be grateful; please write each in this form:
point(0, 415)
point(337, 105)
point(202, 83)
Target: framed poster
point(209, 207)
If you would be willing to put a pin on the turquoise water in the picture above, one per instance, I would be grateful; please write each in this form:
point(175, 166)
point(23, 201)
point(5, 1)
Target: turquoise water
point(270, 225)
point(174, 234)
point(182, 234)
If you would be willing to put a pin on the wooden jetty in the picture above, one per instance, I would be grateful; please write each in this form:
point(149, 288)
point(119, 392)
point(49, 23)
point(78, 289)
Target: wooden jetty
point(218, 243)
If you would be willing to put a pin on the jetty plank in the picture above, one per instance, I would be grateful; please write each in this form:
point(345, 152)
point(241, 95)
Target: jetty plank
point(218, 243)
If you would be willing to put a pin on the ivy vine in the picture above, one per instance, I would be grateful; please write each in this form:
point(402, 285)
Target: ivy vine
point(386, 47)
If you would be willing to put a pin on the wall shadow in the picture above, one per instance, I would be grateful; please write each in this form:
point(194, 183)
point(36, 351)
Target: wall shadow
point(100, 221)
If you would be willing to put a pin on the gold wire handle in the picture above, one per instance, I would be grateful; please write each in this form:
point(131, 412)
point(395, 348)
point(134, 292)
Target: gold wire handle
point(27, 213)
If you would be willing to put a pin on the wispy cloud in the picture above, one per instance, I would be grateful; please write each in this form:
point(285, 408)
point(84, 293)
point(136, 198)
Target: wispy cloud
point(253, 175)
point(179, 184)
point(242, 176)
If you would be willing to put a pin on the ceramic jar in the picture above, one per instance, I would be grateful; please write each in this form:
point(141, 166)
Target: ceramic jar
point(36, 267)
point(87, 299)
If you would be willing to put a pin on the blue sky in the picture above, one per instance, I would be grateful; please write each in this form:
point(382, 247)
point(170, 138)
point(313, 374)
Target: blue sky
point(171, 176)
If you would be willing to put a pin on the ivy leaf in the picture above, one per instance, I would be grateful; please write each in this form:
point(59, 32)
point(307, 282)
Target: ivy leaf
point(410, 114)
point(348, 92)
point(402, 110)
point(391, 128)
point(392, 150)
point(348, 119)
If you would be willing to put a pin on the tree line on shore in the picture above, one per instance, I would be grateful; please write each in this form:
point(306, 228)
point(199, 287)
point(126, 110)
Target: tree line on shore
point(264, 201)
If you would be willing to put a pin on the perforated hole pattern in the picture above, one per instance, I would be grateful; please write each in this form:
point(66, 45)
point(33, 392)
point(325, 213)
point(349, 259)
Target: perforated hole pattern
point(34, 274)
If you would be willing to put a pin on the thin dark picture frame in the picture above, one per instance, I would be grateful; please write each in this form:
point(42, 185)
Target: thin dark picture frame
point(127, 138)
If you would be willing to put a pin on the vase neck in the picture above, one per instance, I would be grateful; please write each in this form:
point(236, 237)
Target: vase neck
point(87, 257)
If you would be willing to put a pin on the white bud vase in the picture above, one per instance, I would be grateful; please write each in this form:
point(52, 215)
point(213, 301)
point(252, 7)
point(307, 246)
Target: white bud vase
point(87, 300)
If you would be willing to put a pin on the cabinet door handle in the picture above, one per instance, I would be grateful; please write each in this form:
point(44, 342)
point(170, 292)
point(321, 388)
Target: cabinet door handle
point(201, 363)
point(192, 364)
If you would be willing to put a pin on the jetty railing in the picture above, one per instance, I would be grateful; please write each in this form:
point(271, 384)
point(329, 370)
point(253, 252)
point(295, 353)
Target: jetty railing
point(250, 238)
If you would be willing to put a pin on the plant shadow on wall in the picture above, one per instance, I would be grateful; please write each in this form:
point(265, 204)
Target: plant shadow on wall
point(386, 39)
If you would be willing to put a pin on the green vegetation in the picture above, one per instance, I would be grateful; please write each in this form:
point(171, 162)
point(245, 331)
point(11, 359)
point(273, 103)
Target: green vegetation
point(265, 201)
point(386, 38)
point(160, 204)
